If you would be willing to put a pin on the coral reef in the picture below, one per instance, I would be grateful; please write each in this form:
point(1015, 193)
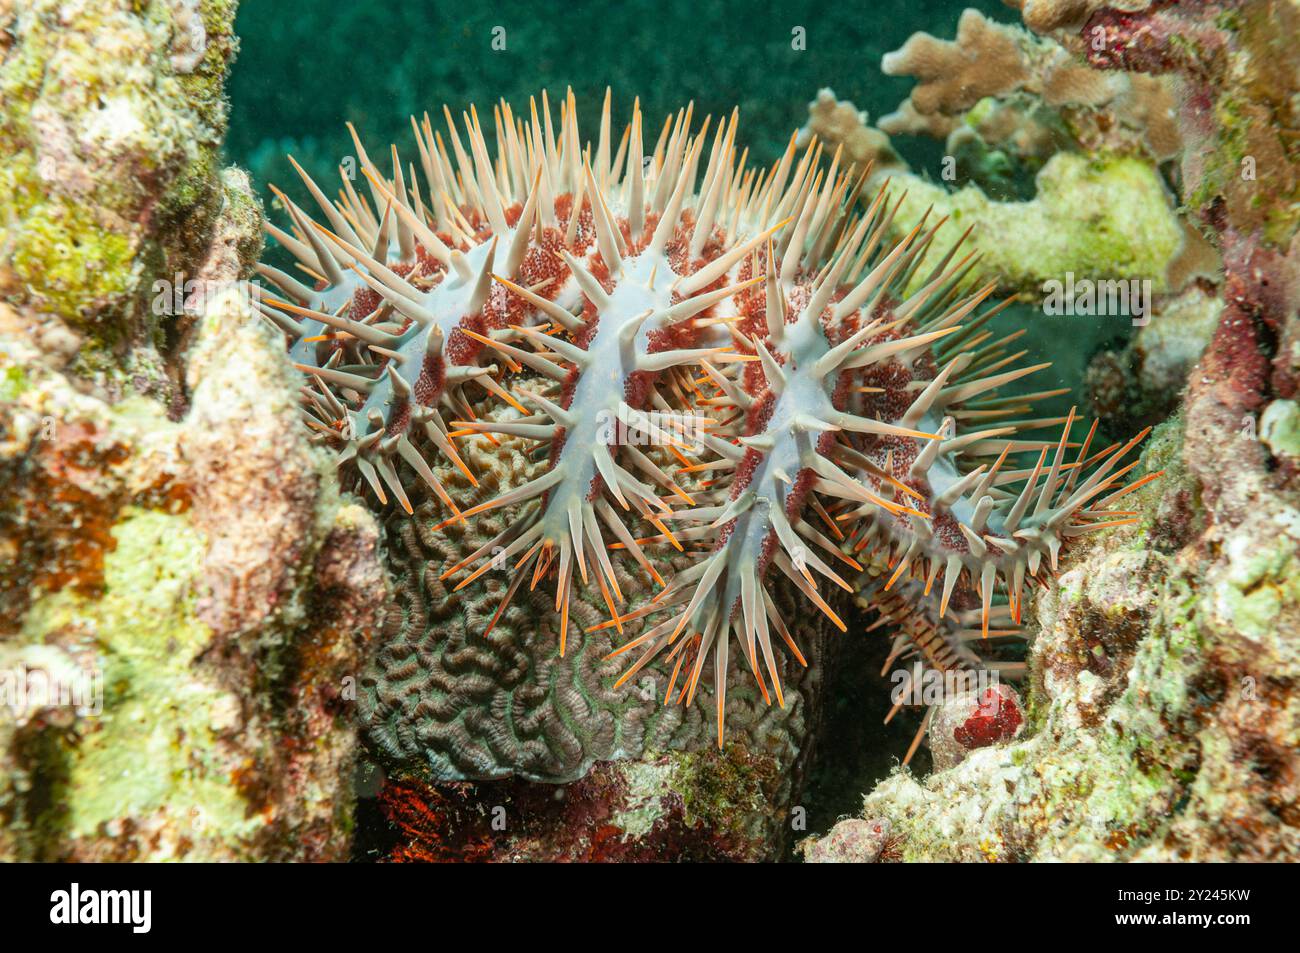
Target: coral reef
point(112, 123)
point(1107, 215)
point(1056, 145)
point(1163, 726)
point(521, 452)
point(1057, 160)
point(185, 598)
point(843, 377)
point(116, 515)
point(1162, 713)
point(1141, 384)
point(989, 59)
point(1094, 216)
point(851, 841)
point(1027, 96)
point(842, 124)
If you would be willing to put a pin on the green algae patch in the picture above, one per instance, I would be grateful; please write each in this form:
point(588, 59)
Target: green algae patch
point(13, 382)
point(725, 789)
point(110, 129)
point(61, 252)
point(1262, 580)
point(1100, 218)
point(1279, 428)
point(148, 753)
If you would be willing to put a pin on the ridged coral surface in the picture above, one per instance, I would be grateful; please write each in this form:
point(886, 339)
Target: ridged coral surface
point(442, 700)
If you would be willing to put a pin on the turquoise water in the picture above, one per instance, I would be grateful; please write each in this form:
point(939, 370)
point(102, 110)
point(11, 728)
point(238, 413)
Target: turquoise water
point(305, 67)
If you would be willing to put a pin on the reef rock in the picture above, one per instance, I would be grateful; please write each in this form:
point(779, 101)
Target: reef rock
point(705, 806)
point(1164, 722)
point(972, 720)
point(851, 841)
point(185, 597)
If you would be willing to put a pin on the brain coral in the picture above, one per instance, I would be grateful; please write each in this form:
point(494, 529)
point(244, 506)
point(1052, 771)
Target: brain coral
point(443, 699)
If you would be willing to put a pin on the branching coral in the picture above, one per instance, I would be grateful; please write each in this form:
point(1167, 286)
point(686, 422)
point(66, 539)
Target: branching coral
point(1110, 215)
point(841, 124)
point(1033, 86)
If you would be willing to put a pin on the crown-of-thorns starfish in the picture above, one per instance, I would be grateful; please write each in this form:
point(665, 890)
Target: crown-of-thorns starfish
point(824, 372)
point(654, 272)
point(795, 440)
